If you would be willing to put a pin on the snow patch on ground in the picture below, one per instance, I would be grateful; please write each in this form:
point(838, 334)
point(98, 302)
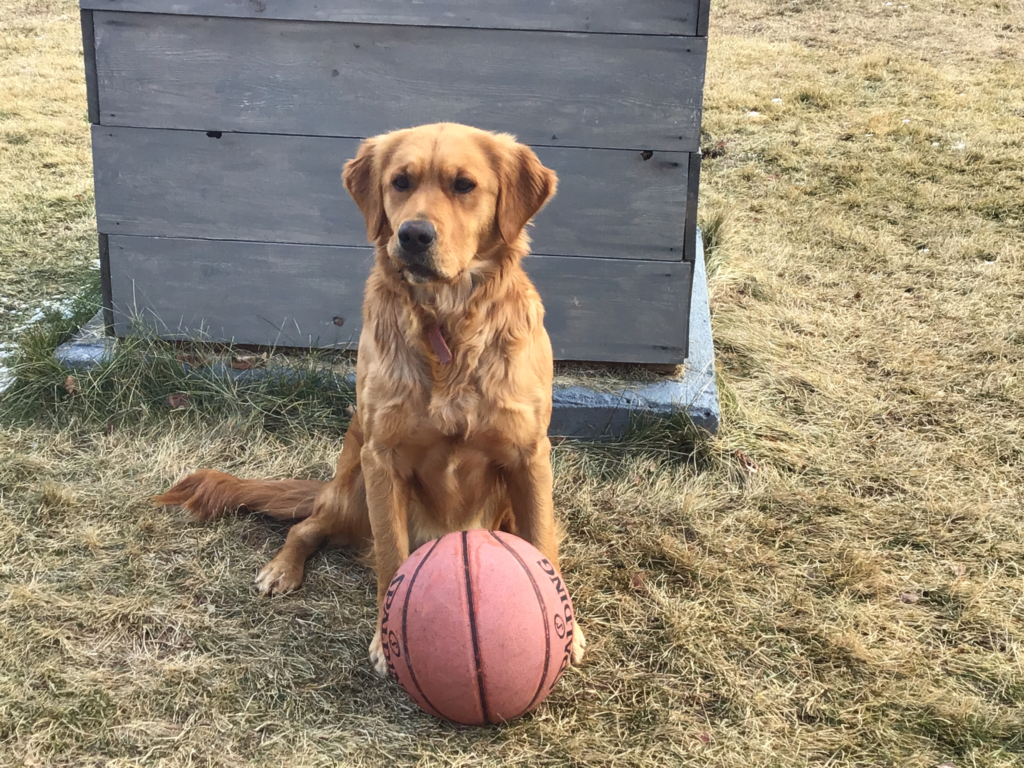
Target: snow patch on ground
point(8, 348)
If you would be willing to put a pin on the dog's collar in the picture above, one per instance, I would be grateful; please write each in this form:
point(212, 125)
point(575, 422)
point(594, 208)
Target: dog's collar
point(439, 345)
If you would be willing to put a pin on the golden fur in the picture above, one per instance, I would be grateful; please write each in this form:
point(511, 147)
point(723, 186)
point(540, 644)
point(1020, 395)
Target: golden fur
point(433, 447)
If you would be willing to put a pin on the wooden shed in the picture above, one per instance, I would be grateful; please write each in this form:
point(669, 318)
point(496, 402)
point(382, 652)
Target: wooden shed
point(219, 129)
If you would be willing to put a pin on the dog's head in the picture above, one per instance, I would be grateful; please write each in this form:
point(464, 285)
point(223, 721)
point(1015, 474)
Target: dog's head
point(440, 197)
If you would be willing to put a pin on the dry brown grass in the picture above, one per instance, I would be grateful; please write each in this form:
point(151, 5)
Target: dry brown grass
point(836, 580)
point(47, 227)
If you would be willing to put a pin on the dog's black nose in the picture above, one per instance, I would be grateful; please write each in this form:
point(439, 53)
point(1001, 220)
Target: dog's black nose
point(416, 236)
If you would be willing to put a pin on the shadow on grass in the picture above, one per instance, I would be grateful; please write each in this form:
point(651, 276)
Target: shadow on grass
point(672, 441)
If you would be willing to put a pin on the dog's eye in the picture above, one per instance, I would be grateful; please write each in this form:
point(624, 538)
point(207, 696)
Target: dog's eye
point(463, 185)
point(401, 183)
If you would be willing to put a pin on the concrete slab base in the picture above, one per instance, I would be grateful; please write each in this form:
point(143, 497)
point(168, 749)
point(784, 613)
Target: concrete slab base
point(89, 347)
point(585, 413)
point(578, 411)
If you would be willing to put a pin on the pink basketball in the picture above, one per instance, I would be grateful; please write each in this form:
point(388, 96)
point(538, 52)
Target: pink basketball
point(477, 627)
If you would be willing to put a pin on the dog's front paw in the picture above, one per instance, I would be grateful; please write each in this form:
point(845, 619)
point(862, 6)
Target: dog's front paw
point(579, 645)
point(280, 575)
point(380, 664)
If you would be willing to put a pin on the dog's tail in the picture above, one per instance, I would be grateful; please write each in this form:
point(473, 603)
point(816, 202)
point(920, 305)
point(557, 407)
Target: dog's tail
point(207, 494)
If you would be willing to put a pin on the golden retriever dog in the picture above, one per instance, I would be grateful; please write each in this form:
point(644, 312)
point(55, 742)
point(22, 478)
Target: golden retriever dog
point(453, 377)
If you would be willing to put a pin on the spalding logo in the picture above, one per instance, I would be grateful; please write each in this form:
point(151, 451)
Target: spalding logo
point(562, 619)
point(392, 647)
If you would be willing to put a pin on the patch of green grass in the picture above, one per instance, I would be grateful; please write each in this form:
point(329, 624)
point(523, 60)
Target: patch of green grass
point(146, 378)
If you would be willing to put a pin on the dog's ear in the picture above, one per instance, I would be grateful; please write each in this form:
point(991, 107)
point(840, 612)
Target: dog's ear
point(524, 186)
point(361, 176)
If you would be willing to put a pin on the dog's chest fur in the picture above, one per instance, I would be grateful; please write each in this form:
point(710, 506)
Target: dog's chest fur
point(492, 384)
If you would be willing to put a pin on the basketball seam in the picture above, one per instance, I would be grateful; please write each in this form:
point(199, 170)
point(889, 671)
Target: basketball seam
point(472, 628)
point(544, 617)
point(405, 630)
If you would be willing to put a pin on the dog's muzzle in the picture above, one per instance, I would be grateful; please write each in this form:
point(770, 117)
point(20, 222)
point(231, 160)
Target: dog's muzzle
point(416, 239)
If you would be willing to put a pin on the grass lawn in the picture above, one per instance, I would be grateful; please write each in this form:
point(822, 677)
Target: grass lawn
point(836, 579)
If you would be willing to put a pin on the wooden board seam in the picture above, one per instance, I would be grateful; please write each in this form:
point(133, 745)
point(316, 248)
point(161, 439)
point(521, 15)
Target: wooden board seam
point(531, 255)
point(214, 129)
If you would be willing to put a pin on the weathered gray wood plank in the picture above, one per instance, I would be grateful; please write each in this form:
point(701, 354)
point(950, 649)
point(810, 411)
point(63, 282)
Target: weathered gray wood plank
point(703, 15)
point(652, 17)
point(105, 295)
point(549, 88)
point(89, 60)
point(610, 203)
point(692, 200)
point(289, 295)
point(614, 204)
point(248, 293)
point(616, 311)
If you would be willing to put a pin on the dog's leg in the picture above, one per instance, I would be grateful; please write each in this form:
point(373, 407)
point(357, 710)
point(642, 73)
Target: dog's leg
point(387, 497)
point(529, 485)
point(339, 515)
point(530, 489)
